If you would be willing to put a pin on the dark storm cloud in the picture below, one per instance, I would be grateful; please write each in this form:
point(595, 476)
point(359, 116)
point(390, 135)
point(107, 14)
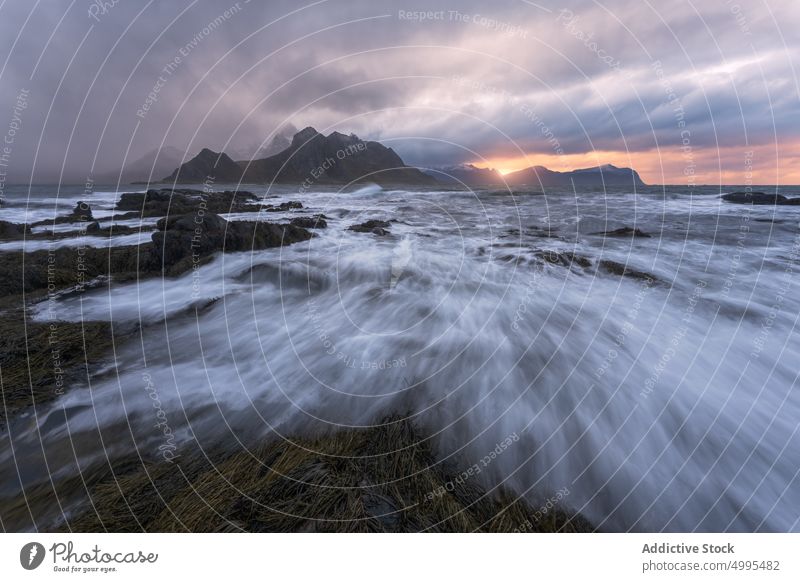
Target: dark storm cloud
point(104, 83)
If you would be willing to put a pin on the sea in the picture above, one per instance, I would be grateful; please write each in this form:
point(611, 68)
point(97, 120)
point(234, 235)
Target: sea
point(662, 400)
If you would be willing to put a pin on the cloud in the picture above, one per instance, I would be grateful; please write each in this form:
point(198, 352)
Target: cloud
point(469, 81)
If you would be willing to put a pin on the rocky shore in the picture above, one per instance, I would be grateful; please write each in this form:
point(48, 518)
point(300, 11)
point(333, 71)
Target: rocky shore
point(41, 359)
point(382, 479)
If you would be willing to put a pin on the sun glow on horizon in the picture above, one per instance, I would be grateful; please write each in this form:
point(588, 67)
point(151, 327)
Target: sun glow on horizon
point(669, 165)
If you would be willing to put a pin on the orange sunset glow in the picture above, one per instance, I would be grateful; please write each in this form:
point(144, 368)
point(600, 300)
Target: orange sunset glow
point(734, 165)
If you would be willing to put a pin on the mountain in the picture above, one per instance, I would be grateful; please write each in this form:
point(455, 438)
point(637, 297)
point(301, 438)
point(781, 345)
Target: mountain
point(311, 158)
point(279, 142)
point(151, 165)
point(207, 164)
point(596, 177)
point(467, 174)
point(538, 177)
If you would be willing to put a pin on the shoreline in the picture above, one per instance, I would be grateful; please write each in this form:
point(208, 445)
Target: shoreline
point(381, 479)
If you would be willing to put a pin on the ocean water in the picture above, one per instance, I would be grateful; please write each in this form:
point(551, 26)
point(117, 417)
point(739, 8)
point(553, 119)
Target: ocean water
point(667, 403)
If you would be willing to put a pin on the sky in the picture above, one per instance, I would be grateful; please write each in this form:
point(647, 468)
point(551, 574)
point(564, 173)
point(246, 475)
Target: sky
point(687, 93)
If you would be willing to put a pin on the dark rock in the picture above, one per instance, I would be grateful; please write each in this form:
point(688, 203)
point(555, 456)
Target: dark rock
point(81, 213)
point(621, 270)
point(382, 479)
point(377, 227)
point(578, 260)
point(624, 232)
point(12, 230)
point(27, 348)
point(93, 227)
point(317, 221)
point(176, 247)
point(180, 239)
point(760, 198)
point(167, 201)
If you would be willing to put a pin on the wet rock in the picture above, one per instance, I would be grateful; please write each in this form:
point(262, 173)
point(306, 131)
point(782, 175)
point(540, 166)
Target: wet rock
point(27, 348)
point(191, 237)
point(177, 245)
point(81, 213)
point(615, 268)
point(760, 198)
point(382, 479)
point(377, 227)
point(167, 201)
point(625, 231)
point(12, 230)
point(582, 262)
point(316, 221)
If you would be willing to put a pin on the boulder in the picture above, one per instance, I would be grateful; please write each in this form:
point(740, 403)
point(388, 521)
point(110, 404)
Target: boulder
point(377, 227)
point(81, 213)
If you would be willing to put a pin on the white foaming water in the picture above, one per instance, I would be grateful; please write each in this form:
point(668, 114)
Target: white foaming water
point(31, 245)
point(23, 204)
point(659, 405)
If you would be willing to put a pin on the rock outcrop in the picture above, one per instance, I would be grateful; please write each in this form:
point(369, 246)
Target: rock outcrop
point(378, 227)
point(760, 198)
point(168, 201)
point(12, 230)
point(316, 221)
point(180, 238)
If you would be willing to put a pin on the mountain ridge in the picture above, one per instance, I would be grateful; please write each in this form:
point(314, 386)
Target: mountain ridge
point(540, 176)
point(311, 158)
